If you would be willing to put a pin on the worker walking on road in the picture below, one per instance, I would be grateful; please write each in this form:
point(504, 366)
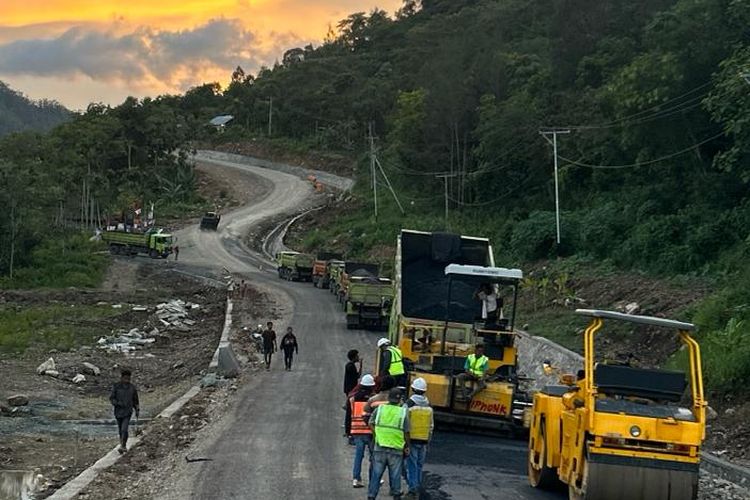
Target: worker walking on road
point(475, 371)
point(421, 426)
point(390, 426)
point(392, 362)
point(269, 344)
point(176, 252)
point(290, 348)
point(360, 430)
point(124, 399)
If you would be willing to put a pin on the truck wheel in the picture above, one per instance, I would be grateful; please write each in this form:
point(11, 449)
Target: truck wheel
point(153, 254)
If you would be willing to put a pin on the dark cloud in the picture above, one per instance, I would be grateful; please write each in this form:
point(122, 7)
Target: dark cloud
point(142, 56)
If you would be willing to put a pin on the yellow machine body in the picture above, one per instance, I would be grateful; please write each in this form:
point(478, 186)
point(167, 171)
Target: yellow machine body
point(441, 359)
point(617, 438)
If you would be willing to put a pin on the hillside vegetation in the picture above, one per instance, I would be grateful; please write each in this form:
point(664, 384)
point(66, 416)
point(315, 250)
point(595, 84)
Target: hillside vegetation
point(18, 113)
point(653, 174)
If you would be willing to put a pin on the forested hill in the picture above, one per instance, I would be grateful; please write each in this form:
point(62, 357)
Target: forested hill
point(18, 113)
point(654, 171)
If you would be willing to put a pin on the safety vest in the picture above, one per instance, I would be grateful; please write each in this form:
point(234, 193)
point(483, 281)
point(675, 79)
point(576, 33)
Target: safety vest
point(476, 364)
point(420, 423)
point(389, 427)
point(396, 367)
point(359, 426)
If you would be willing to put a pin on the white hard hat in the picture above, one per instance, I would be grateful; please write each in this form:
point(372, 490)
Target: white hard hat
point(367, 381)
point(419, 384)
point(260, 327)
point(383, 341)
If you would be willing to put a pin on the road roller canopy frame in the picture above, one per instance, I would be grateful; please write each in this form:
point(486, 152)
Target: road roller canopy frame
point(475, 276)
point(657, 384)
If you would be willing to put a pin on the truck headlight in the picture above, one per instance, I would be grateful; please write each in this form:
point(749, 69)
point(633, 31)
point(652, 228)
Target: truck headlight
point(635, 431)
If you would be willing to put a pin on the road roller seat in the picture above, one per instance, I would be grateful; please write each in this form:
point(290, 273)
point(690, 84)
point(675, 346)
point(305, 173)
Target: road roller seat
point(657, 385)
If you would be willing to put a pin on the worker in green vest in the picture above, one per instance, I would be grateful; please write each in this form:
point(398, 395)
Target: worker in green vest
point(475, 372)
point(390, 426)
point(392, 363)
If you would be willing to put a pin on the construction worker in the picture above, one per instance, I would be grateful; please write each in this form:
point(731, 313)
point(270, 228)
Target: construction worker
point(390, 426)
point(124, 399)
point(392, 362)
point(420, 431)
point(381, 397)
point(176, 252)
point(475, 371)
point(290, 347)
point(360, 431)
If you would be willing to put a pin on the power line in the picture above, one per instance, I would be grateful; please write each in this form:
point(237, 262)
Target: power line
point(639, 164)
point(657, 107)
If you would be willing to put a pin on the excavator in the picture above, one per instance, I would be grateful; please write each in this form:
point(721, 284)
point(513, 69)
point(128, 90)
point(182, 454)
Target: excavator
point(436, 321)
point(619, 432)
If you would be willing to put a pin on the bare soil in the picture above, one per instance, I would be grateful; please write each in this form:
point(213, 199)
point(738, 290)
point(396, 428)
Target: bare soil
point(164, 443)
point(39, 439)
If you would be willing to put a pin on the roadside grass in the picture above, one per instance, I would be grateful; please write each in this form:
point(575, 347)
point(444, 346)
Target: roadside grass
point(55, 326)
point(67, 261)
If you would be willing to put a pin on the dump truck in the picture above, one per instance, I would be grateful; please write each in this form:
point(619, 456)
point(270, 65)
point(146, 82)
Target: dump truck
point(210, 221)
point(368, 301)
point(342, 277)
point(436, 321)
point(620, 432)
point(294, 266)
point(320, 277)
point(154, 242)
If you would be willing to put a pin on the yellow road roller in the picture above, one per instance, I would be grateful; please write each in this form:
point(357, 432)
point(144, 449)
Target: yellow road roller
point(618, 432)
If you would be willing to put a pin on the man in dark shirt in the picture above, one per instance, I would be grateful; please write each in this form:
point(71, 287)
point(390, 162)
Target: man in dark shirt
point(124, 399)
point(269, 344)
point(352, 371)
point(290, 347)
point(351, 378)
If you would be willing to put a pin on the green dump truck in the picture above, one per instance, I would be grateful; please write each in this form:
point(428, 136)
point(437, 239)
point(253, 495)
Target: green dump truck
point(340, 283)
point(155, 243)
point(368, 301)
point(294, 266)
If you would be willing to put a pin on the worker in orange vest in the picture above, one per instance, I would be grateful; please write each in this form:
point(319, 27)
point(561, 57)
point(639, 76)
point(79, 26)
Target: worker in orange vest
point(360, 431)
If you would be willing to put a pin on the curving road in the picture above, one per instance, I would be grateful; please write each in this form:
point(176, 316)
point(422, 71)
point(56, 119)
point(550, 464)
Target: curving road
point(283, 437)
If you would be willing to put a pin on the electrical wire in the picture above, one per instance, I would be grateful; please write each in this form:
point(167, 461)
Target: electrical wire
point(640, 164)
point(659, 108)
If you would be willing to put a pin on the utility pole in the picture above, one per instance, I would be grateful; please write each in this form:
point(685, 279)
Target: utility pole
point(372, 171)
point(445, 177)
point(554, 133)
point(270, 115)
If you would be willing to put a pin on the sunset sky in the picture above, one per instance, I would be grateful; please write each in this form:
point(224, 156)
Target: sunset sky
point(78, 51)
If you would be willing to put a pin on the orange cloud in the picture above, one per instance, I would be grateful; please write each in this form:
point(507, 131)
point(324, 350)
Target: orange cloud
point(155, 46)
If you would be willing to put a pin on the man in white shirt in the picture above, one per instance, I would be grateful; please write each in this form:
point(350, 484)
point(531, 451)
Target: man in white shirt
point(487, 295)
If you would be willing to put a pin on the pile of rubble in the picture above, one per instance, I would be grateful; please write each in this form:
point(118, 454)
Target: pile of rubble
point(172, 315)
point(50, 369)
